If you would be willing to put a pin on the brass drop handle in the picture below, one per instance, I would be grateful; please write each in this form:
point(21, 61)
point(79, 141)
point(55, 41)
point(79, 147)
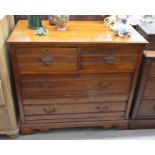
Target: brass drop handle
point(47, 60)
point(109, 60)
point(49, 111)
point(101, 109)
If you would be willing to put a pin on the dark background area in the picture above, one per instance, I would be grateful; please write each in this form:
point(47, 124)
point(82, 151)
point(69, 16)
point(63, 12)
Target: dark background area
point(72, 17)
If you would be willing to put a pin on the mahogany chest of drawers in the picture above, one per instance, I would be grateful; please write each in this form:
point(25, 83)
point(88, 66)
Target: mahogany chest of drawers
point(82, 77)
point(143, 115)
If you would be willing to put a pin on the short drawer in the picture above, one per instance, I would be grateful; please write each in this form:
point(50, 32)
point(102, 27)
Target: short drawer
point(147, 109)
point(149, 90)
point(46, 60)
point(58, 109)
point(74, 85)
point(4, 120)
point(2, 100)
point(108, 59)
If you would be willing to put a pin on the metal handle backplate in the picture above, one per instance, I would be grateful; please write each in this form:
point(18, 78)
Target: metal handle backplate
point(105, 85)
point(101, 109)
point(49, 111)
point(109, 60)
point(47, 60)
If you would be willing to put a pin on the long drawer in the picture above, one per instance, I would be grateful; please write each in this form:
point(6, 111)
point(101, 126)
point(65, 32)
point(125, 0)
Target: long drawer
point(74, 112)
point(108, 59)
point(74, 108)
point(54, 86)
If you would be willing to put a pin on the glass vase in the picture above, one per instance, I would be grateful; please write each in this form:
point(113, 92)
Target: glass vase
point(61, 22)
point(34, 21)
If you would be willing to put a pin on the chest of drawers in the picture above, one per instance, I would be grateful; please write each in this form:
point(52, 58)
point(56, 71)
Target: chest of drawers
point(75, 78)
point(143, 115)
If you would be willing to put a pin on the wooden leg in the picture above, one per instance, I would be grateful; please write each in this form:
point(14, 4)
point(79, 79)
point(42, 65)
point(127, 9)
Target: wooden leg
point(119, 125)
point(43, 129)
point(26, 130)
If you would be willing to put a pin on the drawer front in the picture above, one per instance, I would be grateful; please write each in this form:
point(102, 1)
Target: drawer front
point(108, 59)
point(46, 60)
point(70, 118)
point(147, 109)
point(74, 108)
point(2, 100)
point(70, 99)
point(74, 85)
point(4, 120)
point(149, 90)
point(86, 112)
point(152, 69)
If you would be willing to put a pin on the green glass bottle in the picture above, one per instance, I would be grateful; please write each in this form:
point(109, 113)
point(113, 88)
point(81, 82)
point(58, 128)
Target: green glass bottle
point(34, 21)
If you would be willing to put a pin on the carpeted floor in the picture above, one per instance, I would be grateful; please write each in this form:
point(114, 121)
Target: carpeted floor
point(88, 134)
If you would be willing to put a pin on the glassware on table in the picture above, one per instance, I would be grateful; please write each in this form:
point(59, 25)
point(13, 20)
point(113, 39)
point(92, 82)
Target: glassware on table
point(34, 21)
point(51, 19)
point(61, 22)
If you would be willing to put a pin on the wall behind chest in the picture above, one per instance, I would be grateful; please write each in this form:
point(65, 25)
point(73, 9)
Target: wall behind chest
point(72, 17)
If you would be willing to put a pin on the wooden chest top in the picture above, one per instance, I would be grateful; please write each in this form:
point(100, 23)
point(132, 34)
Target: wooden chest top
point(83, 32)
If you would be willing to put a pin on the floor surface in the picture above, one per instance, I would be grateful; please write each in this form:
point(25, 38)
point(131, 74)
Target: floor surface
point(88, 134)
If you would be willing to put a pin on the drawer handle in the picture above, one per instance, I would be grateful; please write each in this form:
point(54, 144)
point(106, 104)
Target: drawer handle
point(47, 60)
point(49, 111)
point(101, 109)
point(109, 60)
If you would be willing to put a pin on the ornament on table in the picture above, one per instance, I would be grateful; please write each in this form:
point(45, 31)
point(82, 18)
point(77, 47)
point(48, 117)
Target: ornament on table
point(61, 22)
point(34, 21)
point(41, 31)
point(109, 21)
point(51, 19)
point(124, 30)
point(118, 24)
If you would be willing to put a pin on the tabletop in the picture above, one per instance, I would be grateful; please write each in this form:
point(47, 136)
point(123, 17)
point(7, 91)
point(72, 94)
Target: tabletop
point(77, 32)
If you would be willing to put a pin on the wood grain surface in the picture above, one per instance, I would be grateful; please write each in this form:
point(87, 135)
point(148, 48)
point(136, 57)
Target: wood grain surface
point(85, 76)
point(77, 32)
